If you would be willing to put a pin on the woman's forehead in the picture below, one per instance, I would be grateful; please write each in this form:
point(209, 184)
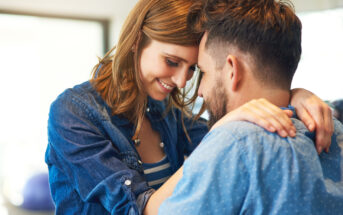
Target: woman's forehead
point(186, 53)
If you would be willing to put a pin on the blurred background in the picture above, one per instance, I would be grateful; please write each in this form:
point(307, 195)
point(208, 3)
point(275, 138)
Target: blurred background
point(47, 46)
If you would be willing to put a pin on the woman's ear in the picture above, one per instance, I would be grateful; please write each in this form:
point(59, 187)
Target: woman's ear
point(235, 72)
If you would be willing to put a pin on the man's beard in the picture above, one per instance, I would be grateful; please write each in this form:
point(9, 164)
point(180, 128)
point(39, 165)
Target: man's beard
point(217, 105)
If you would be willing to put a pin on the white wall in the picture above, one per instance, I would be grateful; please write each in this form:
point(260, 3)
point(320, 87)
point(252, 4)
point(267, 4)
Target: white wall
point(113, 10)
point(117, 10)
point(108, 9)
point(314, 5)
point(101, 9)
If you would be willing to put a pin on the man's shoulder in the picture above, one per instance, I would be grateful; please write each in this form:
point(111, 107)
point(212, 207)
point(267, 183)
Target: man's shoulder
point(236, 136)
point(235, 131)
point(241, 127)
point(248, 136)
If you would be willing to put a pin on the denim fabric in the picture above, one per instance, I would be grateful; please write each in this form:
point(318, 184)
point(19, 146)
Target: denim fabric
point(94, 167)
point(240, 168)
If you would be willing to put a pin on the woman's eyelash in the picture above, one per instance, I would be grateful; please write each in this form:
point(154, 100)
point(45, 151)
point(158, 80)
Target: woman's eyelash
point(172, 63)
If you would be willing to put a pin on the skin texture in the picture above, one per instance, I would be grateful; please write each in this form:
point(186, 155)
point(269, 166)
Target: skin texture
point(310, 109)
point(163, 67)
point(234, 81)
point(243, 113)
point(316, 116)
point(259, 111)
point(170, 64)
point(212, 86)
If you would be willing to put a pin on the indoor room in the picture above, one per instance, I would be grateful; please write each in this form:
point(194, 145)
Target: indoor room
point(48, 46)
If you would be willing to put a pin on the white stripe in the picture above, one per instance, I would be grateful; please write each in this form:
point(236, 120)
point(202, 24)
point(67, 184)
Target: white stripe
point(159, 181)
point(157, 169)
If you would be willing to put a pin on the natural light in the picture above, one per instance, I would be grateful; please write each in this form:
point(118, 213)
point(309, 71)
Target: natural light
point(40, 57)
point(321, 66)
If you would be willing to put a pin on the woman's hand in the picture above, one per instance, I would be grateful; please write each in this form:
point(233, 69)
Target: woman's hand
point(316, 115)
point(264, 114)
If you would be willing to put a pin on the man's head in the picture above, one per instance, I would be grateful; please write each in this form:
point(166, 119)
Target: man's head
point(248, 45)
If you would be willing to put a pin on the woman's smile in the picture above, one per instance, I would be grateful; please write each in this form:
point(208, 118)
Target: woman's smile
point(166, 87)
point(164, 66)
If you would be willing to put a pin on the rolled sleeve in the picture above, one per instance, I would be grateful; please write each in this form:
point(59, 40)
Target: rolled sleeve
point(143, 198)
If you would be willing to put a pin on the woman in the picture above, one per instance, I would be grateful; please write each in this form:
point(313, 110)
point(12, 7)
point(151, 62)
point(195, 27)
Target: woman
point(114, 140)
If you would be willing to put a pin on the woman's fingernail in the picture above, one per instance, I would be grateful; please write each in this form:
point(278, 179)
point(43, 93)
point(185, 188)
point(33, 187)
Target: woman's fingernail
point(319, 149)
point(292, 133)
point(283, 133)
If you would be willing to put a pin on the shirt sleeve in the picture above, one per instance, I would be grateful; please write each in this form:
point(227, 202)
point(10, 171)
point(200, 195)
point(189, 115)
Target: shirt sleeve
point(91, 163)
point(214, 179)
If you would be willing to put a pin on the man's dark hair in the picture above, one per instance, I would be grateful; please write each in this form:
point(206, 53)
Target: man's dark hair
point(268, 30)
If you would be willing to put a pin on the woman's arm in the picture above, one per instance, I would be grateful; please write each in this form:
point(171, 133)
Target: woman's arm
point(316, 115)
point(271, 118)
point(258, 111)
point(162, 193)
point(264, 114)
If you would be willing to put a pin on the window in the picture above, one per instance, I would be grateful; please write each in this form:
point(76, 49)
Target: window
point(40, 57)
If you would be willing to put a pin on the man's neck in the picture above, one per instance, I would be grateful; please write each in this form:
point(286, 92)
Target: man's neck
point(278, 97)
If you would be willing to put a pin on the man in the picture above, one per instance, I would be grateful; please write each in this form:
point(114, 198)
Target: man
point(250, 50)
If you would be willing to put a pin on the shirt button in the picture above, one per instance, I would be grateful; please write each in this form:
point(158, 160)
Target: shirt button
point(140, 162)
point(147, 109)
point(127, 182)
point(161, 144)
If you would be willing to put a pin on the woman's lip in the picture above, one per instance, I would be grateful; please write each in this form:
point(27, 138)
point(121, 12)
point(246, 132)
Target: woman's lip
point(165, 86)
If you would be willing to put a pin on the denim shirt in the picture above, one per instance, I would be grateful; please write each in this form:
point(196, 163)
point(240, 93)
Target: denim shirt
point(240, 168)
point(94, 167)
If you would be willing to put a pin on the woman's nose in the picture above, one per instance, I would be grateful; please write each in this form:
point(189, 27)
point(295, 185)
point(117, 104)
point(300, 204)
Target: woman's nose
point(180, 78)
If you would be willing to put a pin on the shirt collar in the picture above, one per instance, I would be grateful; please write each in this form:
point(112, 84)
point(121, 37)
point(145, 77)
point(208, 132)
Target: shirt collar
point(153, 106)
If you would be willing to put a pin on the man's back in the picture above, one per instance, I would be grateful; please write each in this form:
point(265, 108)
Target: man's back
point(240, 168)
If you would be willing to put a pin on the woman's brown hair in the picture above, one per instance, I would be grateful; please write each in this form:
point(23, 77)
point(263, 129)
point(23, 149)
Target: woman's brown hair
point(118, 80)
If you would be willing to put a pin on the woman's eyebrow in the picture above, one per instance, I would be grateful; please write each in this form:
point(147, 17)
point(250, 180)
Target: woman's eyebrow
point(174, 56)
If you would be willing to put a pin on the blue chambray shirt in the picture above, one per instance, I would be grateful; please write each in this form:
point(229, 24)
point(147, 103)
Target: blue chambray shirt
point(94, 167)
point(240, 168)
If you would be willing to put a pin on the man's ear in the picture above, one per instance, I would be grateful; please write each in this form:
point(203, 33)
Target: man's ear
point(235, 72)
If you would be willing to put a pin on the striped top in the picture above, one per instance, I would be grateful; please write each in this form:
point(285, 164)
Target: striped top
point(157, 173)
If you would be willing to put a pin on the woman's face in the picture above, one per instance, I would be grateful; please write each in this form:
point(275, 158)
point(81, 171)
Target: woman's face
point(165, 66)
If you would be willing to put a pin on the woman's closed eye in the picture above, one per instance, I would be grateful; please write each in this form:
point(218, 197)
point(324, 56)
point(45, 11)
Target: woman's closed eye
point(172, 63)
